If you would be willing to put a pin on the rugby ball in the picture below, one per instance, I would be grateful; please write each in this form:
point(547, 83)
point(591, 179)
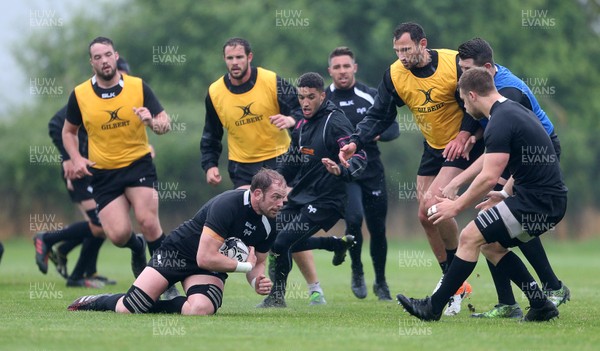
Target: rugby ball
point(235, 248)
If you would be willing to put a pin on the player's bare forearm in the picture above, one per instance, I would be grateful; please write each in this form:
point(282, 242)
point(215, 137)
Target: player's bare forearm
point(492, 167)
point(161, 123)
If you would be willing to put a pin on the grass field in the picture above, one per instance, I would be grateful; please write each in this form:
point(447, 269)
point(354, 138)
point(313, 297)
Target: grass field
point(33, 313)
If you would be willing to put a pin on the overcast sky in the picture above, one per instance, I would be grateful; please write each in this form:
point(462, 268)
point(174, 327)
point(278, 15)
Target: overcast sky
point(17, 20)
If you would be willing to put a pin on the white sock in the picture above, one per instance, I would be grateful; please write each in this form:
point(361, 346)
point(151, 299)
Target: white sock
point(314, 287)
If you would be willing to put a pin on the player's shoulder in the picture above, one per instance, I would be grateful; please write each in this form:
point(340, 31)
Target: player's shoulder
point(361, 89)
point(233, 197)
point(262, 70)
point(507, 110)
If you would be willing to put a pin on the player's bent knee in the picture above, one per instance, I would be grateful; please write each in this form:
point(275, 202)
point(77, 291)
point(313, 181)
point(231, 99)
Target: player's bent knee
point(204, 299)
point(464, 238)
point(200, 306)
point(137, 301)
point(423, 217)
point(148, 223)
point(493, 252)
point(470, 237)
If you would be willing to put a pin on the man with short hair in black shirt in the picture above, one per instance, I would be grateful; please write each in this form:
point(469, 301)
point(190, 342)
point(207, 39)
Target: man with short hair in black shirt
point(514, 138)
point(317, 199)
point(367, 195)
point(190, 254)
point(478, 53)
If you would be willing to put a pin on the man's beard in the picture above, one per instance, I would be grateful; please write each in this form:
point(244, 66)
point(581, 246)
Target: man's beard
point(107, 76)
point(241, 75)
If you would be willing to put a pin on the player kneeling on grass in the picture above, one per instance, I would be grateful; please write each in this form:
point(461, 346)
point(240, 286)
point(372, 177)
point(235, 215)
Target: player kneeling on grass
point(191, 254)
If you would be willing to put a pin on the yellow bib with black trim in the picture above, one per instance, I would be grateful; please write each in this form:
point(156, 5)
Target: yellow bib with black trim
point(250, 135)
point(116, 135)
point(432, 100)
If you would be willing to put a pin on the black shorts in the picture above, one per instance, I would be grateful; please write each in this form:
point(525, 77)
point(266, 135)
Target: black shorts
point(242, 173)
point(432, 160)
point(175, 262)
point(108, 184)
point(82, 189)
point(512, 222)
point(310, 215)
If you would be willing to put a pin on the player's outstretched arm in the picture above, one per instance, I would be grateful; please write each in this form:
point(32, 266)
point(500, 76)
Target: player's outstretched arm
point(346, 153)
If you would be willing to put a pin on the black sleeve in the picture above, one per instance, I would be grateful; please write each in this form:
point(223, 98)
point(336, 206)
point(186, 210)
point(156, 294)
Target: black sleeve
point(73, 111)
point(150, 101)
point(497, 139)
point(210, 144)
point(338, 131)
point(381, 115)
point(391, 133)
point(220, 216)
point(291, 162)
point(55, 127)
point(516, 95)
point(288, 100)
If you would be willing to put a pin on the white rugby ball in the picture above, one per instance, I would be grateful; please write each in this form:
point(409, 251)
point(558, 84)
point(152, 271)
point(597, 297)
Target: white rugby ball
point(235, 248)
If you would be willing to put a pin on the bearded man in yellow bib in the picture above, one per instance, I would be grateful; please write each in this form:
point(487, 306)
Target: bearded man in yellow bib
point(425, 80)
point(115, 110)
point(258, 108)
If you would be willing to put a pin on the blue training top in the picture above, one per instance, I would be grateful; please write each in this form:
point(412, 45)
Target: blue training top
point(504, 78)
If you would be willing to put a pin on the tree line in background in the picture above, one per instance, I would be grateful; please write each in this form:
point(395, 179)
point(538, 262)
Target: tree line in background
point(177, 48)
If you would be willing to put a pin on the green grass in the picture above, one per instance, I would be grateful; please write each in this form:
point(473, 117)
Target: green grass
point(33, 313)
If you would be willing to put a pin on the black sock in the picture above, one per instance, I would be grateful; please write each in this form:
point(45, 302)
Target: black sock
point(378, 249)
point(82, 261)
point(355, 252)
point(457, 273)
point(107, 303)
point(450, 256)
point(134, 243)
point(68, 245)
point(282, 269)
point(536, 255)
point(513, 267)
point(153, 246)
point(444, 266)
point(73, 231)
point(169, 306)
point(502, 284)
point(328, 243)
point(92, 259)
